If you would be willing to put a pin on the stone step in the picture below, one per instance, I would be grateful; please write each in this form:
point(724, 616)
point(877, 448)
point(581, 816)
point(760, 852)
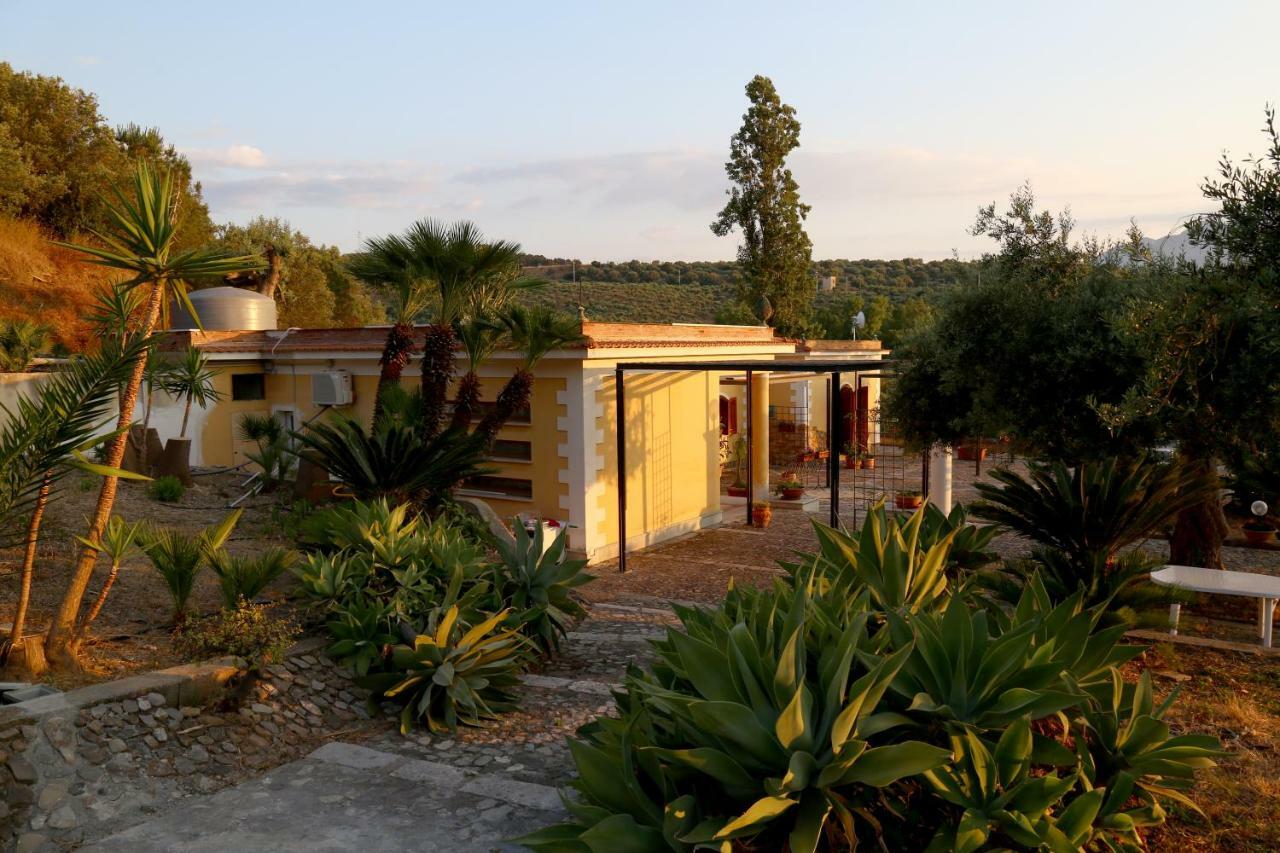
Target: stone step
point(345, 796)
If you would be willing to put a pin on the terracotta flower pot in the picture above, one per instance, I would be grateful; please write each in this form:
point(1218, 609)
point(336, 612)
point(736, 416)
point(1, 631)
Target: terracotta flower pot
point(792, 494)
point(908, 501)
point(969, 453)
point(761, 516)
point(1258, 537)
point(869, 463)
point(737, 491)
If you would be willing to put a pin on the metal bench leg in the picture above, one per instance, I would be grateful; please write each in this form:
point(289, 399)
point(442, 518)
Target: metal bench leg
point(1175, 610)
point(1268, 615)
point(1262, 619)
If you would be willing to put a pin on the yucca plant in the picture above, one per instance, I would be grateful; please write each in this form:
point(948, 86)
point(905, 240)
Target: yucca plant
point(191, 380)
point(457, 675)
point(536, 581)
point(117, 542)
point(273, 456)
point(243, 578)
point(140, 245)
point(393, 462)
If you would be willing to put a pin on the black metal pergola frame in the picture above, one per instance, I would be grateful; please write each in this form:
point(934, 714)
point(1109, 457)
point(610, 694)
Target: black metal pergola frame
point(832, 367)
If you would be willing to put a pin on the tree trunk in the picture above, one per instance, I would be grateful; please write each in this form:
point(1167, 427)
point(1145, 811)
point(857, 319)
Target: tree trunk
point(96, 608)
point(28, 572)
point(395, 357)
point(60, 642)
point(186, 413)
point(271, 281)
point(464, 408)
point(514, 396)
point(437, 371)
point(144, 455)
point(1199, 530)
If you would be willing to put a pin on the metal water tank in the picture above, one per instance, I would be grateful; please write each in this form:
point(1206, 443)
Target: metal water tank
point(226, 309)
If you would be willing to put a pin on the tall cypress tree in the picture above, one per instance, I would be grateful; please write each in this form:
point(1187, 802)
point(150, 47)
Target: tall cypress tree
point(764, 203)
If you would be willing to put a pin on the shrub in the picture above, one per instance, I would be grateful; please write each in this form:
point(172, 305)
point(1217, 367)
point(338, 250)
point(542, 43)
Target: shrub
point(167, 489)
point(244, 578)
point(864, 701)
point(456, 674)
point(178, 557)
point(392, 462)
point(1083, 517)
point(538, 583)
point(248, 631)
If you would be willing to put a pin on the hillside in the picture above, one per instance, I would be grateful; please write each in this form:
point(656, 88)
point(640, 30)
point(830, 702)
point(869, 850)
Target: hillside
point(46, 284)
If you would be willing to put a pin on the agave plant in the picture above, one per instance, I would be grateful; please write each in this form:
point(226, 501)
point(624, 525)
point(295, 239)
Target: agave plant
point(455, 675)
point(360, 631)
point(1000, 803)
point(770, 717)
point(272, 456)
point(886, 558)
point(969, 544)
point(537, 582)
point(393, 462)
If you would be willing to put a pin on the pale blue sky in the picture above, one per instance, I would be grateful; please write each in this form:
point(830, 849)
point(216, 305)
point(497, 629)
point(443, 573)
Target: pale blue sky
point(599, 130)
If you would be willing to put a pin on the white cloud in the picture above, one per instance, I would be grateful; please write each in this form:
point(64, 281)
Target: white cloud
point(233, 156)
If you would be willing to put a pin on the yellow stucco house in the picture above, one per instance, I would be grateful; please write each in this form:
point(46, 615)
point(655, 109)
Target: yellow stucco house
point(558, 460)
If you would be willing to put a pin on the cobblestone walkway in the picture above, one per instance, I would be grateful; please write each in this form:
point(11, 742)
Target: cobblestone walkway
point(372, 789)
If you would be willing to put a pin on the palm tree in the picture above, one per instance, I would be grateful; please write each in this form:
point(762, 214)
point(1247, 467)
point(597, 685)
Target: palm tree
point(20, 341)
point(191, 380)
point(386, 262)
point(479, 337)
point(463, 268)
point(536, 332)
point(43, 438)
point(141, 244)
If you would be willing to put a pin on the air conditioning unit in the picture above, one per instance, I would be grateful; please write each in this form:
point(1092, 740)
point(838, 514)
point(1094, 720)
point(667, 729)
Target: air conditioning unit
point(331, 388)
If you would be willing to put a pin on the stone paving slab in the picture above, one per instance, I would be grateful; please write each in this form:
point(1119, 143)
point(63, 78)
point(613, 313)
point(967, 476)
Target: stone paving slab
point(348, 797)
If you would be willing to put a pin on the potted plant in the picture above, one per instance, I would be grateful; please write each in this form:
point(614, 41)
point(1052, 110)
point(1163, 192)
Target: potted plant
point(909, 499)
point(852, 458)
point(761, 514)
point(868, 460)
point(790, 488)
point(971, 451)
point(1257, 531)
point(738, 455)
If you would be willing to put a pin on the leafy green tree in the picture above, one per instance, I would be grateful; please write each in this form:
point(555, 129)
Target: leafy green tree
point(1211, 336)
point(311, 284)
point(1030, 348)
point(59, 160)
point(764, 204)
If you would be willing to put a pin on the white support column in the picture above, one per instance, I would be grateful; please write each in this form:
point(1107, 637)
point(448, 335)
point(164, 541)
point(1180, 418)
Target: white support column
point(940, 478)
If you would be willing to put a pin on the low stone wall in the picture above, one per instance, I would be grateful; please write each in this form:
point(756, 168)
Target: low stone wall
point(78, 765)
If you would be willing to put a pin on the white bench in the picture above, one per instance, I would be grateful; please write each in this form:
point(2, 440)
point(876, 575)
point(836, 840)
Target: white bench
point(1265, 588)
